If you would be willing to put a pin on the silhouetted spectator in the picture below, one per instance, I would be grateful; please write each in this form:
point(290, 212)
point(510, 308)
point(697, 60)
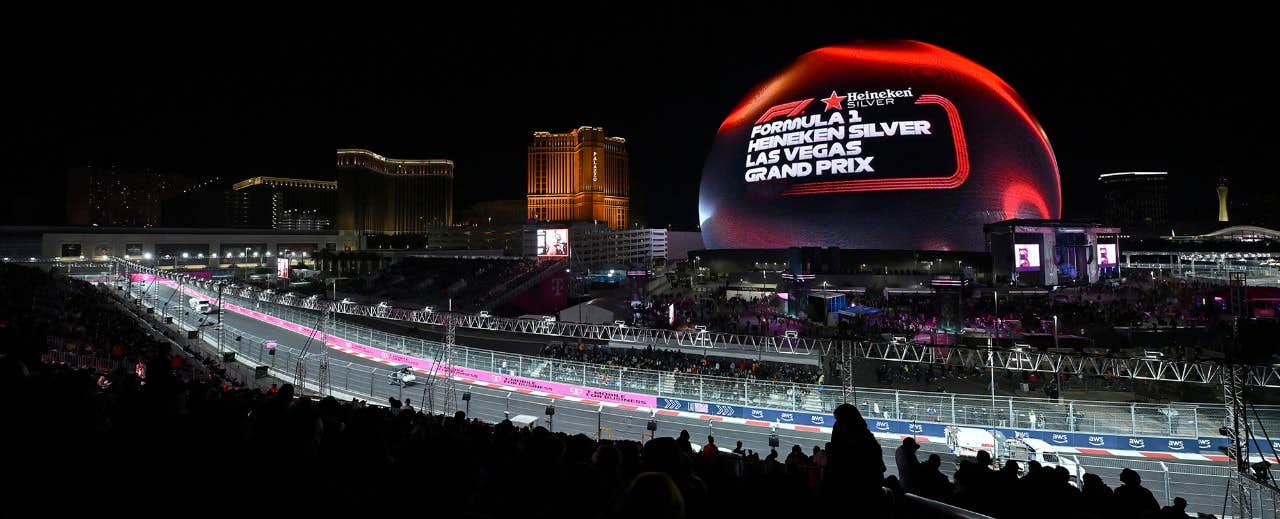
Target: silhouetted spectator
point(738, 450)
point(650, 495)
point(683, 442)
point(908, 464)
point(819, 459)
point(1178, 510)
point(931, 482)
point(1097, 495)
point(796, 458)
point(1132, 499)
point(710, 450)
point(855, 466)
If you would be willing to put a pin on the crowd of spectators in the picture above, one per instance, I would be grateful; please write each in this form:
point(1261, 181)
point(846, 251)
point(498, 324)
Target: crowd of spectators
point(1013, 491)
point(417, 282)
point(675, 361)
point(759, 316)
point(1091, 311)
point(156, 439)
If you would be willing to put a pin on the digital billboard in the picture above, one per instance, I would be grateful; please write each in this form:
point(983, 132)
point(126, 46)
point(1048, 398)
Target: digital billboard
point(1026, 257)
point(282, 268)
point(553, 242)
point(885, 145)
point(1107, 255)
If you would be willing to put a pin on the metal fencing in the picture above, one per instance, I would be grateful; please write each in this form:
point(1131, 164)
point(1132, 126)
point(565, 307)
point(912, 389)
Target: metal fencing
point(1173, 419)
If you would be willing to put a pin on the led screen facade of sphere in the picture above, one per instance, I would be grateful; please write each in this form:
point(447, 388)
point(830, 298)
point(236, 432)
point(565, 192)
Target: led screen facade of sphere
point(876, 145)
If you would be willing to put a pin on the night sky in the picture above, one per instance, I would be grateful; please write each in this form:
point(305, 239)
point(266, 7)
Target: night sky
point(1115, 91)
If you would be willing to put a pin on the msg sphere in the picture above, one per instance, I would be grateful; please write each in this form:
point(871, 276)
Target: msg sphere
point(876, 145)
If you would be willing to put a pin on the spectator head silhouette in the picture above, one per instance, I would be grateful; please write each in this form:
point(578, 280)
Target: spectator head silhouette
point(984, 458)
point(663, 455)
point(910, 444)
point(1130, 478)
point(1180, 504)
point(651, 495)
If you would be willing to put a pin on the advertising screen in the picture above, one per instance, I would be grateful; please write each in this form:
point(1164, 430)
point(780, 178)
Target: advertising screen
point(1107, 254)
point(853, 139)
point(1027, 257)
point(282, 268)
point(553, 242)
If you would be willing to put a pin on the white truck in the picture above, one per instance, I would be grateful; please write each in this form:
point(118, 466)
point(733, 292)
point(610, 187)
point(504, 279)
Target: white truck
point(965, 442)
point(200, 305)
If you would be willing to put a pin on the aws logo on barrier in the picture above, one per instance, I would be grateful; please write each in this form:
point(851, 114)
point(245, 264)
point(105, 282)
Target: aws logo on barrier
point(1097, 441)
point(882, 426)
point(1059, 439)
point(817, 420)
point(1021, 434)
point(1137, 443)
point(1205, 444)
point(1176, 445)
point(786, 417)
point(756, 413)
point(915, 428)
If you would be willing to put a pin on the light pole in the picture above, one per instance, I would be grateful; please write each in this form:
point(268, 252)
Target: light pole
point(998, 320)
point(1057, 366)
point(220, 284)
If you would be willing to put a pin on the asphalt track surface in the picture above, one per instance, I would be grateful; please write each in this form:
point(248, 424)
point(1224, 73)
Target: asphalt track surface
point(1202, 483)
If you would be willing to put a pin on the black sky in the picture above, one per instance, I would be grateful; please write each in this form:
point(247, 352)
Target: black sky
point(275, 94)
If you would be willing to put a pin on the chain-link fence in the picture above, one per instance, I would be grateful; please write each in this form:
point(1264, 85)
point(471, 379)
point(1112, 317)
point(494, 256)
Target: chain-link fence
point(1174, 419)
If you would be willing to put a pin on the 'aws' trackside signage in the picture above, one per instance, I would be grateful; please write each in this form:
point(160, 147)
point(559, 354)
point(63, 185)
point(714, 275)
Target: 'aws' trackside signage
point(935, 429)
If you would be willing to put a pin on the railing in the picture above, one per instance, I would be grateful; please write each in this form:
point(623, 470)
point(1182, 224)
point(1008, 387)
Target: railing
point(349, 379)
point(82, 361)
point(1175, 420)
point(1132, 367)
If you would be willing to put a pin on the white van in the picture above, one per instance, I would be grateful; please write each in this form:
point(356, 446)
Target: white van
point(965, 442)
point(1032, 449)
point(200, 305)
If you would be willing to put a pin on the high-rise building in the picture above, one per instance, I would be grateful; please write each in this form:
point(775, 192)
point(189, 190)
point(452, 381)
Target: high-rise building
point(119, 197)
point(1222, 199)
point(580, 176)
point(1136, 200)
point(379, 195)
point(289, 204)
point(210, 204)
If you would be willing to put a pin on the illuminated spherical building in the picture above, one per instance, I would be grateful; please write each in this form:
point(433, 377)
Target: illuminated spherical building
point(876, 145)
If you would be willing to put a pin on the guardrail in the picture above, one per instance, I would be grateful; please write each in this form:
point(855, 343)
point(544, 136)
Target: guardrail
point(1132, 419)
point(352, 379)
point(1131, 367)
point(1188, 421)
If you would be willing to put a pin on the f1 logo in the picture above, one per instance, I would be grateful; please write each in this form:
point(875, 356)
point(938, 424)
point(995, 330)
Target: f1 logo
point(791, 109)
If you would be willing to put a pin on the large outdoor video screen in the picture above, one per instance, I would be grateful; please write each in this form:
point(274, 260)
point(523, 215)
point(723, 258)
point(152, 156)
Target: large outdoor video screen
point(1027, 257)
point(553, 242)
point(282, 268)
point(852, 140)
point(1107, 254)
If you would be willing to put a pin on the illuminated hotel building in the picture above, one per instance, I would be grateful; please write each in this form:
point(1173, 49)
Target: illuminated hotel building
point(1136, 200)
point(289, 204)
point(580, 176)
point(378, 195)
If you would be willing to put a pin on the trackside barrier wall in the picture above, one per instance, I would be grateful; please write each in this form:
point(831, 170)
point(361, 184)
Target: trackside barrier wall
point(918, 427)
